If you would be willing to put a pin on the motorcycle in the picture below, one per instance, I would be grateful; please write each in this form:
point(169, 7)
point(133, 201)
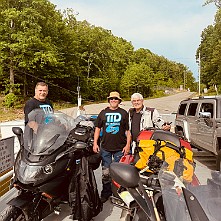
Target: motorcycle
point(152, 134)
point(167, 197)
point(131, 196)
point(53, 146)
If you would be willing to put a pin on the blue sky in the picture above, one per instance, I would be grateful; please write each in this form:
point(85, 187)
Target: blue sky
point(169, 28)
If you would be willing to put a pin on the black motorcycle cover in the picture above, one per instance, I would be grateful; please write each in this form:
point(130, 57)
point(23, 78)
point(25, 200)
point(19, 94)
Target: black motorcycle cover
point(83, 194)
point(94, 160)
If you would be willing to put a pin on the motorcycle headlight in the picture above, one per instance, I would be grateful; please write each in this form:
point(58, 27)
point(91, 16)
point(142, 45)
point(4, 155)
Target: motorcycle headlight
point(26, 173)
point(48, 169)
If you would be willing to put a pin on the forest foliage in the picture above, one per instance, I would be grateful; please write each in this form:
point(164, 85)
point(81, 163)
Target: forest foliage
point(209, 52)
point(40, 43)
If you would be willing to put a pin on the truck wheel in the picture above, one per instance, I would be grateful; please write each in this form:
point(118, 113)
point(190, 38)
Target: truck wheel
point(218, 161)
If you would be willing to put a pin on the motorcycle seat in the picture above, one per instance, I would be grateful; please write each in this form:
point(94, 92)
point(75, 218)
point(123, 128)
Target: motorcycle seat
point(166, 136)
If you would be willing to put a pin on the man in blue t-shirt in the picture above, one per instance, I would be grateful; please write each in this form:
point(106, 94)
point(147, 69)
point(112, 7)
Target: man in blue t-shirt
point(115, 142)
point(38, 101)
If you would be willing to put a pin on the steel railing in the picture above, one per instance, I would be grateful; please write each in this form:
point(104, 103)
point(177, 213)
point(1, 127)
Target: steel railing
point(5, 182)
point(5, 132)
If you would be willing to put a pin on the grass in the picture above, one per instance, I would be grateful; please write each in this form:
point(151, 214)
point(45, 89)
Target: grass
point(17, 113)
point(7, 114)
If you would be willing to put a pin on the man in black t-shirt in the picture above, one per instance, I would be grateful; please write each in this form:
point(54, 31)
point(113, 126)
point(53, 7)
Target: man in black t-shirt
point(38, 101)
point(115, 142)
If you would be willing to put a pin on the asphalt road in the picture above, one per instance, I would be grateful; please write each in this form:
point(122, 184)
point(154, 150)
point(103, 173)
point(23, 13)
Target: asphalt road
point(166, 106)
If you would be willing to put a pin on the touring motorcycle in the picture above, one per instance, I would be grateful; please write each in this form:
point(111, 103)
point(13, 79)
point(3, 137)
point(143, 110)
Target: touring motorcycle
point(51, 150)
point(139, 194)
point(167, 197)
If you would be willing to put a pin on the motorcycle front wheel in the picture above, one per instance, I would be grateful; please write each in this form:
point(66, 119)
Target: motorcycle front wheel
point(12, 213)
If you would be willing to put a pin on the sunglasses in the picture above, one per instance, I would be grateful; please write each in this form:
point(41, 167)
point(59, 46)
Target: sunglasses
point(114, 98)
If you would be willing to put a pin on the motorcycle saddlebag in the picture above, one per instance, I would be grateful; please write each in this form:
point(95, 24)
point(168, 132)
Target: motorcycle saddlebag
point(165, 154)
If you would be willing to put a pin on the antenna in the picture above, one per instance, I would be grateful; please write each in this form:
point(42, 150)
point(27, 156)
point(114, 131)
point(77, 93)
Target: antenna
point(199, 72)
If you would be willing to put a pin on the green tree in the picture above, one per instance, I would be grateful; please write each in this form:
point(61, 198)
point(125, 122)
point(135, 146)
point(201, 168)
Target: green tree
point(167, 74)
point(31, 40)
point(210, 53)
point(137, 78)
point(38, 42)
point(102, 56)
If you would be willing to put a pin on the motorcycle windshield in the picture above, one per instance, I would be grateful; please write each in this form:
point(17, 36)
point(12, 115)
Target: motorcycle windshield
point(45, 133)
point(187, 202)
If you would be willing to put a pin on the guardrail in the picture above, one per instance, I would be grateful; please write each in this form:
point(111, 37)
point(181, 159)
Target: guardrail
point(5, 176)
point(6, 131)
point(5, 181)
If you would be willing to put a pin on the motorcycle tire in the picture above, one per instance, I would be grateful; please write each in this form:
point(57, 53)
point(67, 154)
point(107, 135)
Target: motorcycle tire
point(12, 213)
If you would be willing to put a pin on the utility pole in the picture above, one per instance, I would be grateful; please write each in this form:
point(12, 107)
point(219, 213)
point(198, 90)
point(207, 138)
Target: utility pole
point(79, 99)
point(184, 80)
point(199, 73)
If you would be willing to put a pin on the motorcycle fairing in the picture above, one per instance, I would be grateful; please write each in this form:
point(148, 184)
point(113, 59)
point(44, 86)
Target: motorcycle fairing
point(209, 197)
point(189, 203)
point(45, 133)
point(196, 211)
point(28, 172)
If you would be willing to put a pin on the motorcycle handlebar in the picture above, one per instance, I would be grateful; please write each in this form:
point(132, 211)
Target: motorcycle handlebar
point(152, 182)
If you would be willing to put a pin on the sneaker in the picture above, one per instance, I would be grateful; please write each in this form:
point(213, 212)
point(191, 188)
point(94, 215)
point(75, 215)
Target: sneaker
point(104, 199)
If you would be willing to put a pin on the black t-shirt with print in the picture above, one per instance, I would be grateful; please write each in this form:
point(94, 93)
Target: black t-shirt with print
point(114, 124)
point(34, 104)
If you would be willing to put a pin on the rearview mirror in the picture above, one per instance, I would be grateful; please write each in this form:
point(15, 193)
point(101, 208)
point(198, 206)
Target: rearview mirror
point(19, 133)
